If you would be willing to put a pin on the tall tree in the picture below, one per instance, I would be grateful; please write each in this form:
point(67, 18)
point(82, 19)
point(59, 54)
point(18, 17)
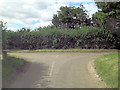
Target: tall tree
point(108, 15)
point(71, 17)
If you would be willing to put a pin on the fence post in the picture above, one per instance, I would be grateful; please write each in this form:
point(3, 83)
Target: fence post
point(5, 53)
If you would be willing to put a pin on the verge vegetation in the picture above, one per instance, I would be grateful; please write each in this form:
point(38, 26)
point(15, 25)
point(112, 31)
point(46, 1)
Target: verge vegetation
point(10, 64)
point(107, 69)
point(85, 38)
point(63, 50)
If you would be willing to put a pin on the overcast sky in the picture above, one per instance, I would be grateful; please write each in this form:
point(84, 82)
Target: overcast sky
point(35, 13)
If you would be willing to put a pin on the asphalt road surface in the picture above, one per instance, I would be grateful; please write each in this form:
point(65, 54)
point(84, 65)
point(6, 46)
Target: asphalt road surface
point(55, 70)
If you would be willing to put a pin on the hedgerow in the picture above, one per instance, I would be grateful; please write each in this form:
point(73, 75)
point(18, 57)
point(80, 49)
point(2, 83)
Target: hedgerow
point(85, 38)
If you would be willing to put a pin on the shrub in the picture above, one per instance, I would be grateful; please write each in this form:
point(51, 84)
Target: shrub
point(86, 37)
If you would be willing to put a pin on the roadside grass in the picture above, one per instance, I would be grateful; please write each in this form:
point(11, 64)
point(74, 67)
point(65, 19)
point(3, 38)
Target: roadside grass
point(10, 64)
point(107, 69)
point(64, 50)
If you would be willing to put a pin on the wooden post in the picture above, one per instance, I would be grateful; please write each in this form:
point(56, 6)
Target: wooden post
point(5, 53)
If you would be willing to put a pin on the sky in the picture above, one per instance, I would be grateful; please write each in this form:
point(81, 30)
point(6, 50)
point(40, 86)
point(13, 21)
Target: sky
point(37, 13)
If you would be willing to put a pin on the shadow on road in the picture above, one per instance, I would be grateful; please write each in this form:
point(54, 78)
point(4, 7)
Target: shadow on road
point(23, 77)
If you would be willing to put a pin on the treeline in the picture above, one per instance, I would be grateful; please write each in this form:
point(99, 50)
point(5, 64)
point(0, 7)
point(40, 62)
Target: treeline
point(107, 17)
point(72, 28)
point(84, 38)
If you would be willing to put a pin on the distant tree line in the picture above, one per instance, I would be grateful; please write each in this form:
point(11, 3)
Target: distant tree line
point(84, 38)
point(108, 17)
point(72, 28)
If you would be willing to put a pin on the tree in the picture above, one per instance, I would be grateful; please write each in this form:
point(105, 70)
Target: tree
point(55, 20)
point(24, 30)
point(108, 16)
point(71, 17)
point(99, 19)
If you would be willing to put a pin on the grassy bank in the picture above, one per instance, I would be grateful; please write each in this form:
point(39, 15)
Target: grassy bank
point(10, 64)
point(65, 50)
point(107, 68)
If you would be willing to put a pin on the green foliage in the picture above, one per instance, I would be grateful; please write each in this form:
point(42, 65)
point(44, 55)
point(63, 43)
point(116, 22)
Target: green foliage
point(107, 68)
point(112, 8)
point(85, 38)
point(71, 17)
point(100, 18)
point(9, 65)
point(108, 15)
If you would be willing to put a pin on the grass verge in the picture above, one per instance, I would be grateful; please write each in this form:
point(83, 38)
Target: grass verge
point(10, 64)
point(107, 69)
point(65, 50)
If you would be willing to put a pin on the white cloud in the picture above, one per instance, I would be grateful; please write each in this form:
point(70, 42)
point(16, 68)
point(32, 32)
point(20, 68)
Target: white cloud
point(91, 8)
point(13, 29)
point(78, 1)
point(42, 24)
point(26, 11)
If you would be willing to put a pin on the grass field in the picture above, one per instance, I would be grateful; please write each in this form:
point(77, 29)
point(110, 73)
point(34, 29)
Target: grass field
point(66, 50)
point(10, 64)
point(107, 69)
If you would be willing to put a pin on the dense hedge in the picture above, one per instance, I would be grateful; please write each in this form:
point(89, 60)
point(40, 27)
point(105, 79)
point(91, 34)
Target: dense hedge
point(86, 37)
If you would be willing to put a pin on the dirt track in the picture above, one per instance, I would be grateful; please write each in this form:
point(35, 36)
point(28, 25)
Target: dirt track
point(55, 70)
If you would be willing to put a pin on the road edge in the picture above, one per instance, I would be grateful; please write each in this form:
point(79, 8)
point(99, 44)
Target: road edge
point(94, 76)
point(11, 77)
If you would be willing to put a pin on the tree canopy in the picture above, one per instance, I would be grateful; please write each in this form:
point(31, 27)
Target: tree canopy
point(71, 17)
point(108, 16)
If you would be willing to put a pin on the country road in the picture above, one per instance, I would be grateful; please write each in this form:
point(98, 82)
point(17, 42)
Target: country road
point(55, 70)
